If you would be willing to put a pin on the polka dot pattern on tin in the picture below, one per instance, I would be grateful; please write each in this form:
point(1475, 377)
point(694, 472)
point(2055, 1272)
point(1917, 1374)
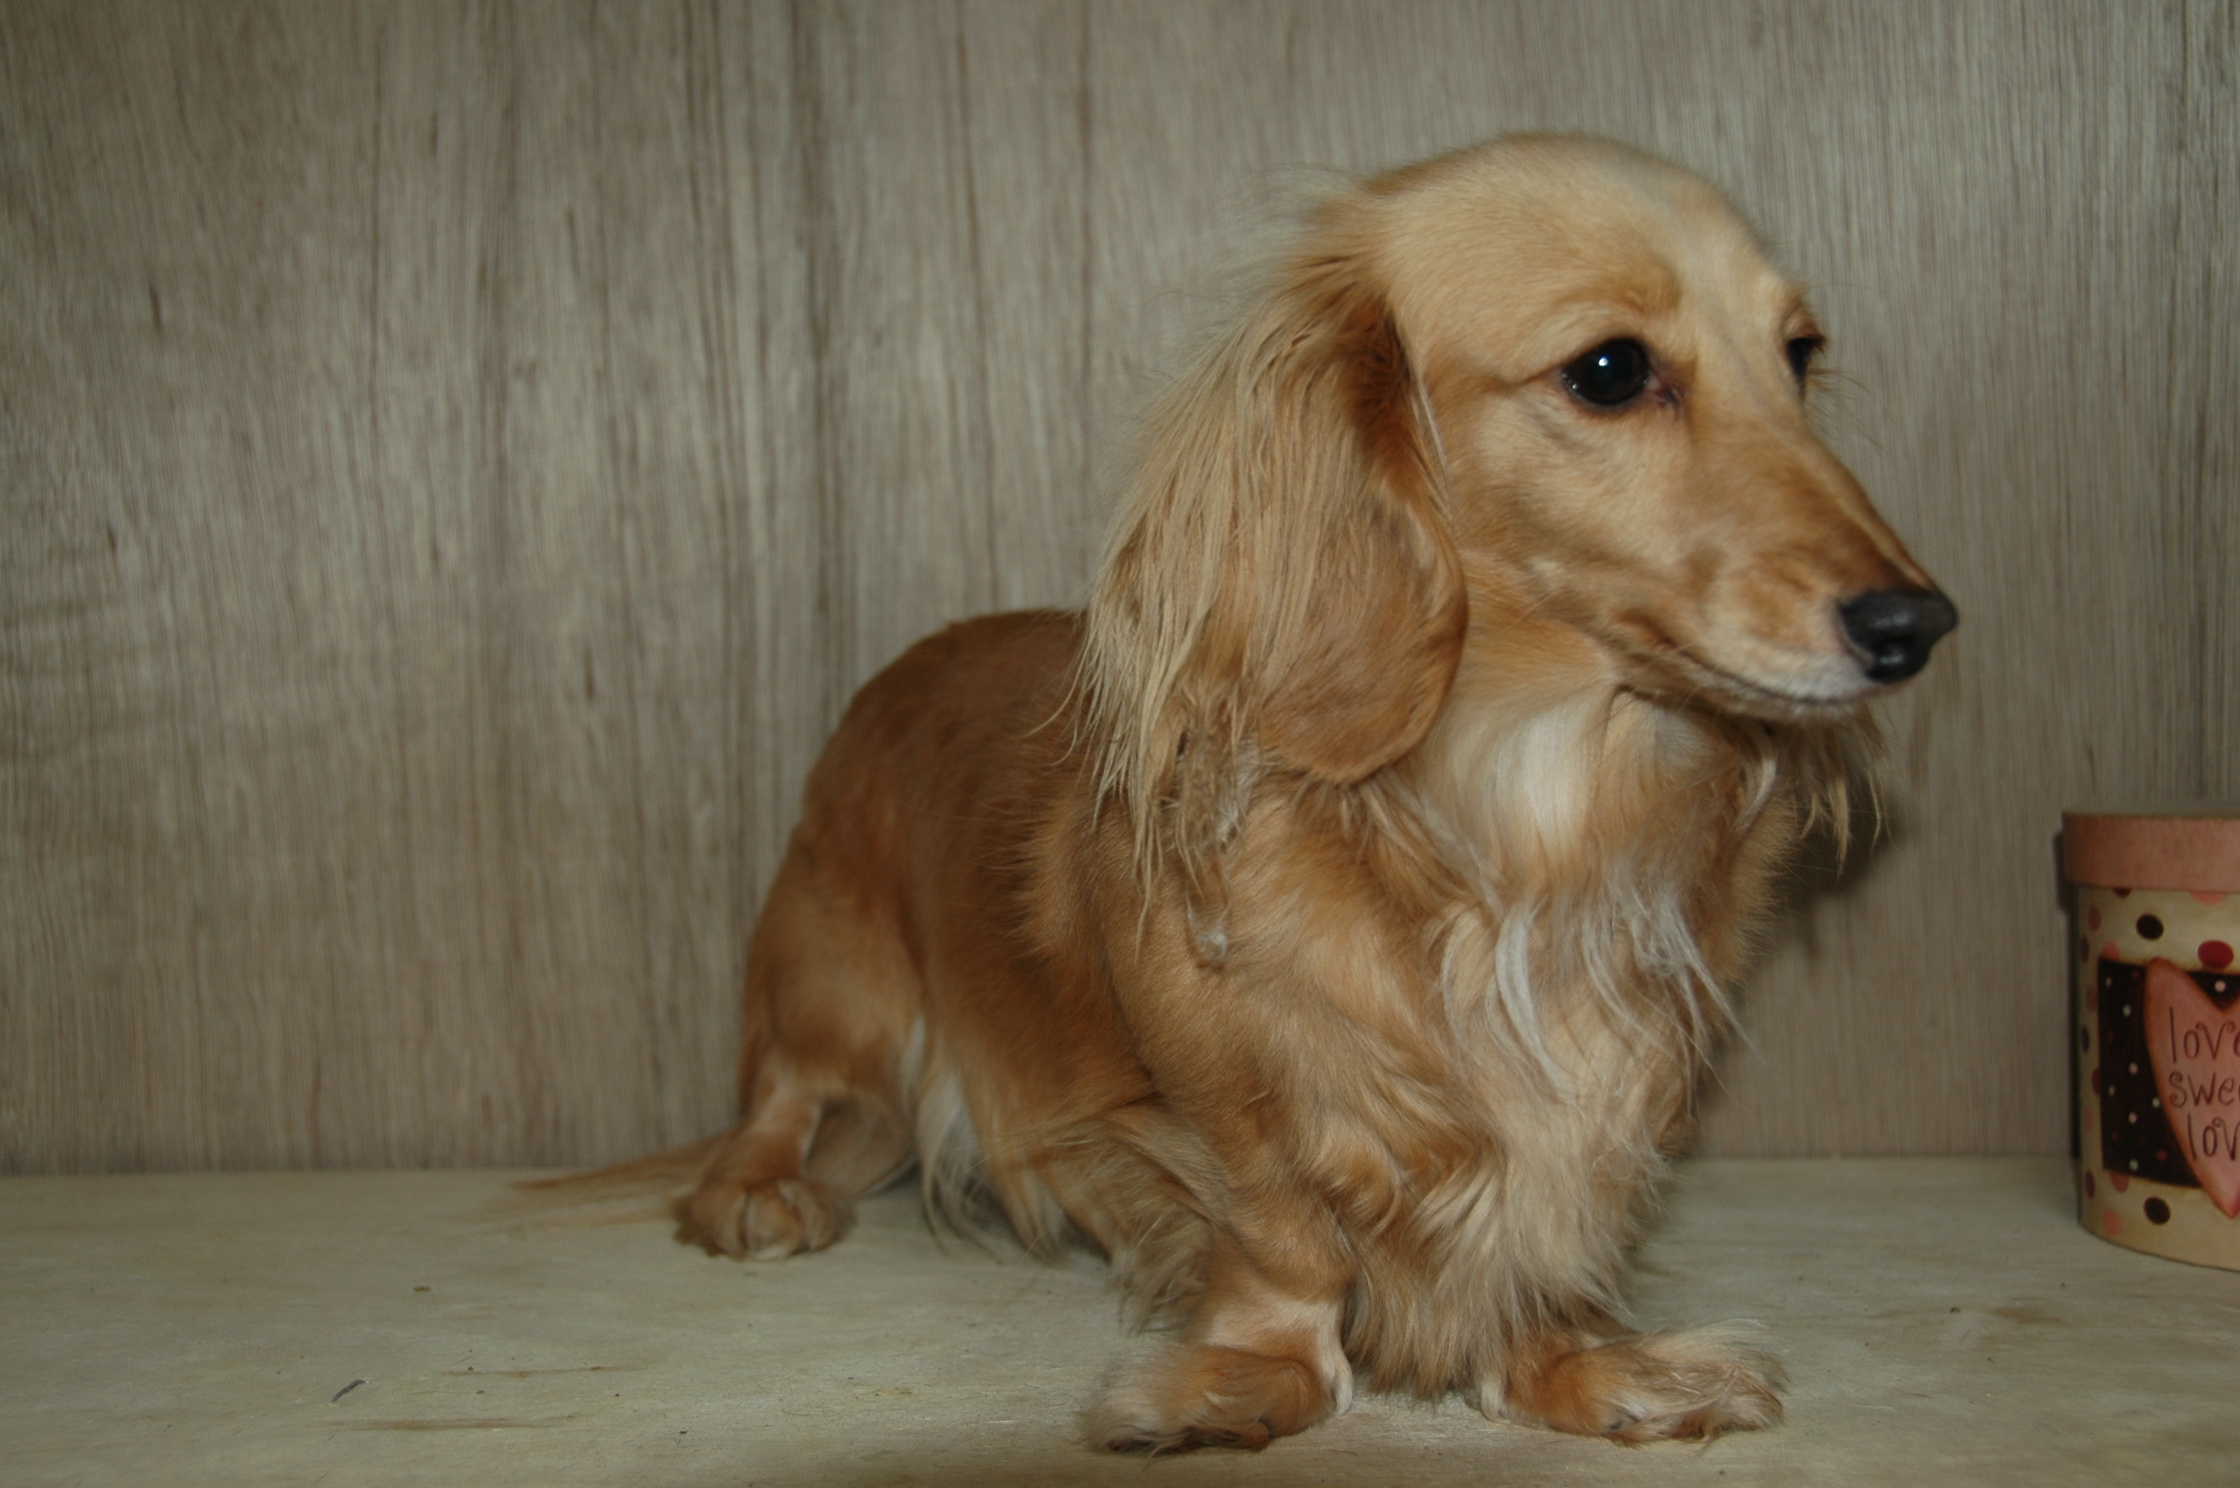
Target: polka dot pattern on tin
point(2133, 1180)
point(2134, 1133)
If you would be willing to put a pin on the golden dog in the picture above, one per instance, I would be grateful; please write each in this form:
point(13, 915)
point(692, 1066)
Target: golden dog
point(1332, 923)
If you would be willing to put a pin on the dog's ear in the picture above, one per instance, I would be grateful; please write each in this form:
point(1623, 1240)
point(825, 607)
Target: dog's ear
point(1362, 646)
point(1283, 589)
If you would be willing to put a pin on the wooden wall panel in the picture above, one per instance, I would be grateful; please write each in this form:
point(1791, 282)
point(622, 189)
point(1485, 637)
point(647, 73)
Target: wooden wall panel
point(457, 462)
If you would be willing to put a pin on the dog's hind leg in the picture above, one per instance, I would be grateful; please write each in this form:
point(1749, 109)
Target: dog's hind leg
point(831, 1002)
point(753, 1196)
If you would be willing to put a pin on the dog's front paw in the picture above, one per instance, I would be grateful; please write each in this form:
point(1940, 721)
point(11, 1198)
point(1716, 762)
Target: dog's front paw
point(1203, 1395)
point(1689, 1385)
point(765, 1221)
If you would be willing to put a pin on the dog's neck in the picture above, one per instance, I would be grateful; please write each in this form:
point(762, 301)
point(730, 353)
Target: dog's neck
point(1546, 774)
point(1595, 833)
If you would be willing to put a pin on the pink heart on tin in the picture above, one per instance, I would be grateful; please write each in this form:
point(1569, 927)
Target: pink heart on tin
point(2196, 1053)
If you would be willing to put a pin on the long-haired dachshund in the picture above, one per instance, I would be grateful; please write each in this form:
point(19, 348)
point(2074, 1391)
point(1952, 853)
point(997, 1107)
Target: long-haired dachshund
point(1332, 923)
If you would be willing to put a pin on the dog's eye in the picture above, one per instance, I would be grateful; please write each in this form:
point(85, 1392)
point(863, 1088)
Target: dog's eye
point(1614, 372)
point(1801, 350)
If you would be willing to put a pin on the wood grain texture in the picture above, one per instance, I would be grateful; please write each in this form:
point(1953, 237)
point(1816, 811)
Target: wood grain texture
point(457, 462)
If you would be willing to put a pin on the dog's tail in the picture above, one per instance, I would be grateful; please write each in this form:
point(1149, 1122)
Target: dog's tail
point(644, 1188)
point(656, 1172)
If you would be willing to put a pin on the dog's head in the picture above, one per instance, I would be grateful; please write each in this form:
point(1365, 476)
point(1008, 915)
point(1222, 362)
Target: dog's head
point(1545, 387)
point(1617, 382)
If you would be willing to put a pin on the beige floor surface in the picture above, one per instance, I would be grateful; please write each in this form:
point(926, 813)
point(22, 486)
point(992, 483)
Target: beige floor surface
point(1944, 1321)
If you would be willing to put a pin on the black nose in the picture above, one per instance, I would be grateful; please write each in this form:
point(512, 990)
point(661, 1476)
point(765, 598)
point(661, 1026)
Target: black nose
point(1894, 629)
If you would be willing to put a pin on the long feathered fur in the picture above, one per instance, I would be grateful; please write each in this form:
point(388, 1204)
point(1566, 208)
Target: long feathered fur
point(1334, 923)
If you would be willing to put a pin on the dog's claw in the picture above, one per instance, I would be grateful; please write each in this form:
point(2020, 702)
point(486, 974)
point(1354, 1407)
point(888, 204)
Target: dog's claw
point(1685, 1386)
point(1202, 1395)
point(764, 1221)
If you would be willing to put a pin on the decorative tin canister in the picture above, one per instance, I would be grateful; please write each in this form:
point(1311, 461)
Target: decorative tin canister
point(2158, 1027)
